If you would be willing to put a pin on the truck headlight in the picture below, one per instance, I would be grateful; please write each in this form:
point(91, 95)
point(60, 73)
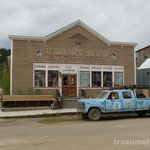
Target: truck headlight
point(81, 105)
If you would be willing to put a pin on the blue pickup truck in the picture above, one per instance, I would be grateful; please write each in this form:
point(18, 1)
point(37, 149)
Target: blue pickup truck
point(113, 101)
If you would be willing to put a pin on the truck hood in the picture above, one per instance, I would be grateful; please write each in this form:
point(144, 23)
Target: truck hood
point(88, 100)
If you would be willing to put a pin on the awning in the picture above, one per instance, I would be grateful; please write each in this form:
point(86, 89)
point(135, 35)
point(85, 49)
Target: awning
point(145, 65)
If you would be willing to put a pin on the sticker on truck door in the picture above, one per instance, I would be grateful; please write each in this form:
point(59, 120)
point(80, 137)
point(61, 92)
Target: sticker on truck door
point(117, 105)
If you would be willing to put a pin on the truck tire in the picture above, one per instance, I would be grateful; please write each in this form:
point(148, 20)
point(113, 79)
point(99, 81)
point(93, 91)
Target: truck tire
point(94, 114)
point(141, 113)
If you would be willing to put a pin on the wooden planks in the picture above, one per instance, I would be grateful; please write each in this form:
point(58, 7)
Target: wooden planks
point(7, 98)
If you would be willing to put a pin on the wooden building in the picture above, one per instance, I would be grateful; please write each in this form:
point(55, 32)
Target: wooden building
point(71, 59)
point(143, 66)
point(141, 55)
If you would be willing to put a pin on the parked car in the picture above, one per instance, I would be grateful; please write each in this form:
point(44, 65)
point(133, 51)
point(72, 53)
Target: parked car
point(113, 101)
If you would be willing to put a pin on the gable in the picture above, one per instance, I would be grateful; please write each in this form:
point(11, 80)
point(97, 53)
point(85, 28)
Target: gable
point(78, 36)
point(64, 29)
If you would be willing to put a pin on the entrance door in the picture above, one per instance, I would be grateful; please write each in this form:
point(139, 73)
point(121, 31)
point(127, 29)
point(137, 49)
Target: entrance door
point(69, 85)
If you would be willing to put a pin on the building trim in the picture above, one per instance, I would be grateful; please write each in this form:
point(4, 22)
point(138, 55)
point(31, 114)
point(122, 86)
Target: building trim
point(134, 67)
point(60, 31)
point(75, 69)
point(11, 68)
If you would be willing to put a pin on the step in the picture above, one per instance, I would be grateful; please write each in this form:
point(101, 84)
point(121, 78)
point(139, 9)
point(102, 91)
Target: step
point(70, 103)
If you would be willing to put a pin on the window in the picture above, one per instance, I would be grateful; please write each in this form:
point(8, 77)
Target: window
point(84, 79)
point(39, 78)
point(96, 79)
point(118, 79)
point(52, 78)
point(113, 95)
point(107, 79)
point(102, 94)
point(72, 80)
point(126, 95)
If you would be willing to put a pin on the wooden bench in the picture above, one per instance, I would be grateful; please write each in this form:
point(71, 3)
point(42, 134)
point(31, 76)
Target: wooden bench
point(14, 101)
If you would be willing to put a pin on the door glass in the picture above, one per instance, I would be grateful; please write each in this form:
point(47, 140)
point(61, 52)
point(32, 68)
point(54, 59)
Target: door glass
point(127, 95)
point(72, 80)
point(65, 80)
point(113, 96)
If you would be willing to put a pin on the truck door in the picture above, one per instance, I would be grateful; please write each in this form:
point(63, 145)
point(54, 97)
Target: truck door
point(128, 101)
point(142, 104)
point(113, 102)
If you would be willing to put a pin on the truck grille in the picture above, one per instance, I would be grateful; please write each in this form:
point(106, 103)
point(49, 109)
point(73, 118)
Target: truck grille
point(81, 105)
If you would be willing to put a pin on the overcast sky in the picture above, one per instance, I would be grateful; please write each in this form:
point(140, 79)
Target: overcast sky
point(117, 20)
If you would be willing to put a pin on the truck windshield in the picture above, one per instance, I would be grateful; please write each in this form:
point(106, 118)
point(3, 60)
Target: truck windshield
point(102, 94)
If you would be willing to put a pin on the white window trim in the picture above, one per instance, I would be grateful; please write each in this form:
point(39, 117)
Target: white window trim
point(59, 69)
point(11, 68)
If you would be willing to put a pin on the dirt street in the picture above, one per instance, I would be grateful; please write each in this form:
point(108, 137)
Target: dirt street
point(73, 133)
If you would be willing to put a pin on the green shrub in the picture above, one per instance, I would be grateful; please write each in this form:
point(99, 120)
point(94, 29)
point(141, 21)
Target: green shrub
point(19, 92)
point(29, 91)
point(38, 91)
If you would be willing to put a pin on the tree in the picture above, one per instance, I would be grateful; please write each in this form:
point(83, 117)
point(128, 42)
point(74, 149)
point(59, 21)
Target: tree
point(5, 81)
point(4, 70)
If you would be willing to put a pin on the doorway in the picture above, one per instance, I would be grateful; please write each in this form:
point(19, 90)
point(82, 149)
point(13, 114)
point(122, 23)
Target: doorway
point(69, 85)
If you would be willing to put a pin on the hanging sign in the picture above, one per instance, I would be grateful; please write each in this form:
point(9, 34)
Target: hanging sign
point(69, 69)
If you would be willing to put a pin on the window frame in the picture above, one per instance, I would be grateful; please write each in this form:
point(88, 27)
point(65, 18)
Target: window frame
point(127, 97)
point(115, 98)
point(122, 78)
point(100, 78)
point(57, 79)
point(88, 79)
point(112, 78)
point(44, 80)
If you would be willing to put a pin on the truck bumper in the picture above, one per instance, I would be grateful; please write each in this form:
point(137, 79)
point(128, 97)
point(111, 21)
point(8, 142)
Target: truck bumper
point(82, 111)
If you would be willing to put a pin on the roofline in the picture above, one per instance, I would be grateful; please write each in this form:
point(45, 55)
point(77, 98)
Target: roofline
point(60, 31)
point(18, 37)
point(143, 48)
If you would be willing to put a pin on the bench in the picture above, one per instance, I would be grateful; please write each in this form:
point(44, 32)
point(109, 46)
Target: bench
point(15, 101)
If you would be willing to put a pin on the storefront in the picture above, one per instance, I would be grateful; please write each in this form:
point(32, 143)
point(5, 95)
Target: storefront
point(73, 58)
point(72, 77)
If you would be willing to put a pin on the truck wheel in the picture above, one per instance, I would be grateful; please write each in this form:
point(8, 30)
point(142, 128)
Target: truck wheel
point(94, 114)
point(141, 113)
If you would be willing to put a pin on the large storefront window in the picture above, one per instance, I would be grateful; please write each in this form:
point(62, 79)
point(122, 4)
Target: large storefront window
point(118, 79)
point(39, 78)
point(52, 78)
point(96, 79)
point(107, 79)
point(84, 79)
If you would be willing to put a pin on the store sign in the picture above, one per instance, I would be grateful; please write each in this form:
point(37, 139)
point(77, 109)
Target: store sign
point(53, 66)
point(119, 68)
point(69, 69)
point(73, 68)
point(77, 53)
point(96, 68)
point(39, 66)
point(84, 67)
point(107, 68)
